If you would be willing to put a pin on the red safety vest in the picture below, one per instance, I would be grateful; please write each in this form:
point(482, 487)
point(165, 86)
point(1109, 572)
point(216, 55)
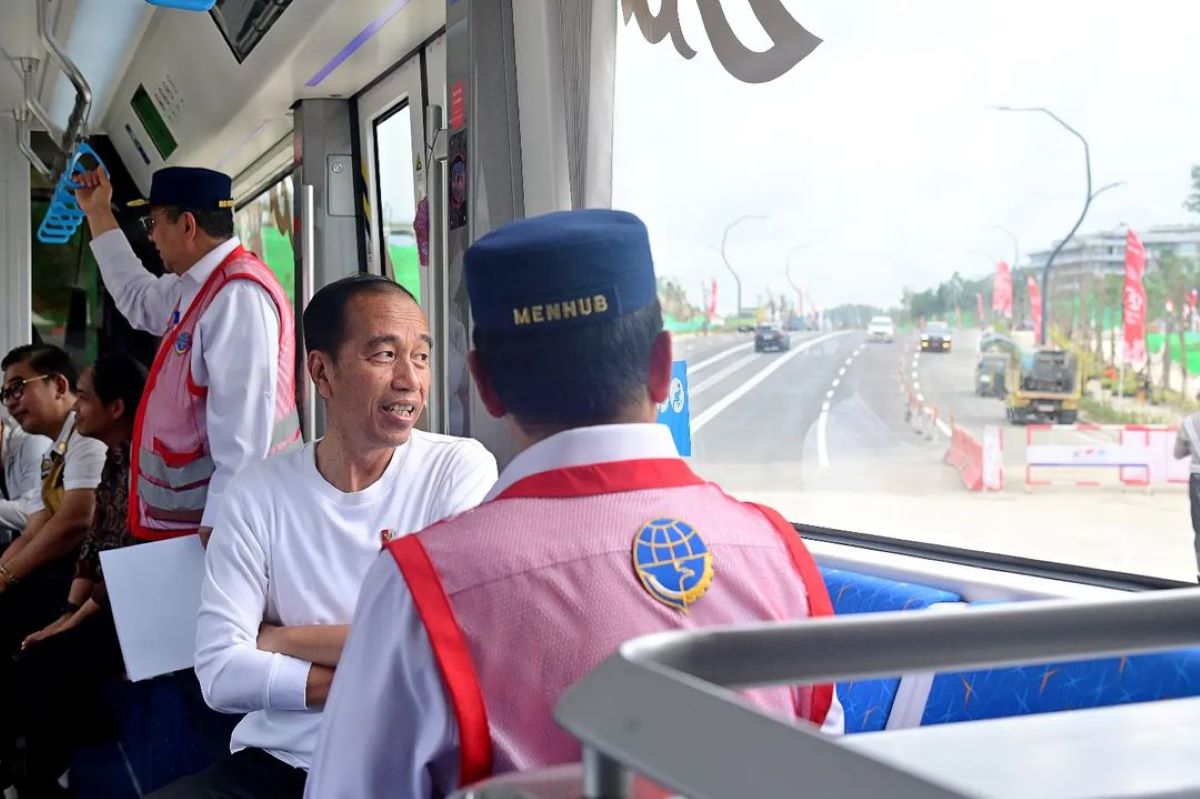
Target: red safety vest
point(172, 463)
point(526, 594)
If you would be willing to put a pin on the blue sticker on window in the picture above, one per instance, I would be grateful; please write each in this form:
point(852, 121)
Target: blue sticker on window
point(676, 411)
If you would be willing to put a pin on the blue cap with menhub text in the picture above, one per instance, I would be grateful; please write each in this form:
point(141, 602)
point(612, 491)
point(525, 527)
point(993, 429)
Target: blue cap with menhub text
point(560, 269)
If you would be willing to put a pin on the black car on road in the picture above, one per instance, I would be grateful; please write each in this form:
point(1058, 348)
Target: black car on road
point(936, 337)
point(771, 336)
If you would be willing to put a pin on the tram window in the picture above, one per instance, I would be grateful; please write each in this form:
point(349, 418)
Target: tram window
point(265, 227)
point(887, 174)
point(243, 23)
point(396, 198)
point(65, 291)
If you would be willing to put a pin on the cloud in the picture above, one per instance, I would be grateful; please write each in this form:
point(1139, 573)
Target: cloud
point(878, 150)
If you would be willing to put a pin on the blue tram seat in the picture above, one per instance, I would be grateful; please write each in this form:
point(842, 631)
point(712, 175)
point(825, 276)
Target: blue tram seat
point(868, 703)
point(165, 732)
point(1049, 687)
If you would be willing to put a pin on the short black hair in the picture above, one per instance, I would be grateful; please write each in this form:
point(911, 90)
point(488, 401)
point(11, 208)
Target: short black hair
point(119, 377)
point(218, 223)
point(325, 317)
point(45, 359)
point(571, 376)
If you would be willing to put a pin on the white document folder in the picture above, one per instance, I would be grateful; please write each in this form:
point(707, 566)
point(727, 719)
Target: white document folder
point(154, 590)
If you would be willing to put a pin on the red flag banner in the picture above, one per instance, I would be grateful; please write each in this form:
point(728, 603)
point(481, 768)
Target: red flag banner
point(979, 306)
point(1134, 307)
point(712, 302)
point(1002, 292)
point(1035, 307)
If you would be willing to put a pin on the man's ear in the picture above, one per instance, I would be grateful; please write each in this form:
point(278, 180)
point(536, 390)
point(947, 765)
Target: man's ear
point(320, 369)
point(487, 394)
point(658, 381)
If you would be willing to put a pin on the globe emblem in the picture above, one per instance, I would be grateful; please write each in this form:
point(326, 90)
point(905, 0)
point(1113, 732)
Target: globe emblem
point(672, 562)
point(677, 397)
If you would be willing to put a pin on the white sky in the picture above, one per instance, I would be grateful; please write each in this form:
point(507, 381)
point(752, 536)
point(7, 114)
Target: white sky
point(878, 150)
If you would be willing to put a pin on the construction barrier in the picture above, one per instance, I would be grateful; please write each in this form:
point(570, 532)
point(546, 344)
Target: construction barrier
point(1083, 453)
point(993, 458)
point(966, 456)
point(979, 464)
point(1158, 441)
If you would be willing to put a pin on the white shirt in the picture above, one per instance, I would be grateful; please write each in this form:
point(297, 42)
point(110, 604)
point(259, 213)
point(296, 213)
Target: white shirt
point(237, 340)
point(388, 727)
point(82, 464)
point(21, 458)
point(291, 549)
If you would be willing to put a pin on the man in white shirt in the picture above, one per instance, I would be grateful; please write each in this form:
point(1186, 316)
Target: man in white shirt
point(467, 633)
point(20, 474)
point(220, 394)
point(36, 569)
point(297, 534)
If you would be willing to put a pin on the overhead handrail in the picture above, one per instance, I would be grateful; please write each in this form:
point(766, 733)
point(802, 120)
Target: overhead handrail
point(29, 73)
point(629, 711)
point(22, 131)
point(83, 92)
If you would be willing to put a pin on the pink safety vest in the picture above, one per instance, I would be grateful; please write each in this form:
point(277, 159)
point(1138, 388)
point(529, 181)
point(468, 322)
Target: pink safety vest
point(171, 461)
point(526, 594)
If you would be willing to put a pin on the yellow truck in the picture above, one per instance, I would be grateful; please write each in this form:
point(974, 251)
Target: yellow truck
point(1041, 384)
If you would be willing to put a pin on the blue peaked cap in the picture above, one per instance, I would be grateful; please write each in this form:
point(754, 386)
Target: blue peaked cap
point(561, 269)
point(189, 187)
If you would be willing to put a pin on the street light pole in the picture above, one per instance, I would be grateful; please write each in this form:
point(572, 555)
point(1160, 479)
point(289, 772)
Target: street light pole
point(725, 238)
point(787, 272)
point(1087, 162)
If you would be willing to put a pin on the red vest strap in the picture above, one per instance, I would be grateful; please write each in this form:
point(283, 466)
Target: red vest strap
point(819, 603)
point(604, 478)
point(453, 657)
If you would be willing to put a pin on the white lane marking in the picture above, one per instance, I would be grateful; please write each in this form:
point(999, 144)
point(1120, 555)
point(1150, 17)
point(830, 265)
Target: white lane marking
point(920, 397)
point(914, 374)
point(823, 419)
point(945, 428)
point(721, 375)
point(778, 363)
point(917, 385)
point(720, 356)
point(823, 439)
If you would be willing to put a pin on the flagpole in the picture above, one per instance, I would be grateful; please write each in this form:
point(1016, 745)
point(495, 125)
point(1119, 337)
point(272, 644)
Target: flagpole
point(1121, 388)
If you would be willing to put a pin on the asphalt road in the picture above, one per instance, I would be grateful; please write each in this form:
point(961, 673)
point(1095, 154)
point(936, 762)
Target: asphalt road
point(819, 431)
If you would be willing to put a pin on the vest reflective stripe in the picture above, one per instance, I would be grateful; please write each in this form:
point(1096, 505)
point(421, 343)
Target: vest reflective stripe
point(154, 467)
point(453, 658)
point(172, 499)
point(285, 433)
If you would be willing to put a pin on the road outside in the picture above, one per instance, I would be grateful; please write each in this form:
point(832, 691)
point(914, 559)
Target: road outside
point(819, 431)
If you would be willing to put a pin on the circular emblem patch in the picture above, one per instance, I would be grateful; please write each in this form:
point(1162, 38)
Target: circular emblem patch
point(672, 562)
point(183, 342)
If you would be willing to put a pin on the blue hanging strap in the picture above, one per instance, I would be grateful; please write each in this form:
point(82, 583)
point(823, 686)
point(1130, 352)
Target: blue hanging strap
point(64, 214)
point(185, 5)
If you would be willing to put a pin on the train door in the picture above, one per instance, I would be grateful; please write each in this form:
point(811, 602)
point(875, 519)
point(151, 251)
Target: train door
point(394, 164)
